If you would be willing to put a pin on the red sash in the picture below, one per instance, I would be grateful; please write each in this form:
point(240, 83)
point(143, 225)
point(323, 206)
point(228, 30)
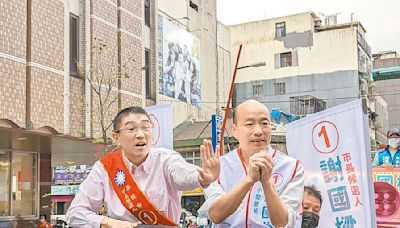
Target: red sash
point(133, 199)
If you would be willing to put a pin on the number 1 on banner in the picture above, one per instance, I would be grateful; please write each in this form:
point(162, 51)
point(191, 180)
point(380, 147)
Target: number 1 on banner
point(325, 135)
point(329, 132)
point(275, 179)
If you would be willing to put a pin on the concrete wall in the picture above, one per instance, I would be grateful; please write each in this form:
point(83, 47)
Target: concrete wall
point(386, 62)
point(389, 90)
point(224, 65)
point(382, 120)
point(329, 87)
point(317, 52)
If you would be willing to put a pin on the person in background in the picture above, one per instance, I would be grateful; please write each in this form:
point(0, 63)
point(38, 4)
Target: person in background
point(312, 202)
point(42, 223)
point(389, 157)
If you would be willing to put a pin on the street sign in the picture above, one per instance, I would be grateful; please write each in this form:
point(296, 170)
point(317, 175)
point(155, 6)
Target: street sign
point(216, 124)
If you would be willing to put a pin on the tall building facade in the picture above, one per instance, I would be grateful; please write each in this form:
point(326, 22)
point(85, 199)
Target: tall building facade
point(189, 54)
point(47, 108)
point(53, 57)
point(386, 75)
point(309, 66)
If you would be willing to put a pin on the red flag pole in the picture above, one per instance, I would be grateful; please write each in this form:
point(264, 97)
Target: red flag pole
point(221, 143)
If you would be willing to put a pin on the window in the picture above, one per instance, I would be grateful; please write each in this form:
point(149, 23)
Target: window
point(19, 190)
point(257, 90)
point(5, 176)
point(147, 12)
point(280, 88)
point(280, 29)
point(73, 45)
point(148, 78)
point(286, 59)
point(192, 157)
point(193, 6)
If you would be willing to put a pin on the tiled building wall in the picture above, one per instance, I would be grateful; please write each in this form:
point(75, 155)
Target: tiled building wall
point(47, 60)
point(48, 33)
point(12, 91)
point(104, 27)
point(48, 51)
point(128, 101)
point(131, 46)
point(135, 80)
point(77, 107)
point(47, 99)
point(12, 71)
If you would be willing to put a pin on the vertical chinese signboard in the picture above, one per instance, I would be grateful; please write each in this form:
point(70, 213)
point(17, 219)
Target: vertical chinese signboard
point(333, 146)
point(216, 124)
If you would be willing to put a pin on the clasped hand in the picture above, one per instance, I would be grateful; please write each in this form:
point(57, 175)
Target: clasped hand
point(260, 166)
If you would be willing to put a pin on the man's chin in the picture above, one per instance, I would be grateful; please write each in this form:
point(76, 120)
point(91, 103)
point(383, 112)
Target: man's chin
point(138, 150)
point(258, 148)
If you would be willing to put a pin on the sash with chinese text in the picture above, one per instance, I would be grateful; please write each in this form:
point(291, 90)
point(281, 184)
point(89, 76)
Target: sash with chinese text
point(133, 199)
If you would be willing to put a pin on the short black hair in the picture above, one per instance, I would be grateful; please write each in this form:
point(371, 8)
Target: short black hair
point(45, 217)
point(311, 190)
point(126, 111)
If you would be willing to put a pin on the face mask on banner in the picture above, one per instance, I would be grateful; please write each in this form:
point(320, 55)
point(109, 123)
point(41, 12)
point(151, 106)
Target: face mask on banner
point(394, 142)
point(310, 220)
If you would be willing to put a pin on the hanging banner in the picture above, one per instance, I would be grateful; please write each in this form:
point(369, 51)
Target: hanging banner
point(161, 117)
point(333, 146)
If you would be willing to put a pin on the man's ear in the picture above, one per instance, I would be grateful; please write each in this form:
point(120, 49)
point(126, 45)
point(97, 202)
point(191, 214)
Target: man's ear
point(234, 129)
point(115, 137)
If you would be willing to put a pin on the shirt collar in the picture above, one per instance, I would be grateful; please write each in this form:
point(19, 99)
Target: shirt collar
point(146, 164)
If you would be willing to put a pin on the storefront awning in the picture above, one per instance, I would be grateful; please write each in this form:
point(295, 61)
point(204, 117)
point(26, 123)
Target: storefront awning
point(386, 73)
point(56, 199)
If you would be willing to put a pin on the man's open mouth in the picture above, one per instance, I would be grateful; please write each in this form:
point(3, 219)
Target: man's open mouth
point(141, 144)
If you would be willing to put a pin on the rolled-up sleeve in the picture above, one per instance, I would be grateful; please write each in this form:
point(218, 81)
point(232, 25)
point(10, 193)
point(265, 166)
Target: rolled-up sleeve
point(183, 174)
point(292, 196)
point(87, 201)
point(212, 193)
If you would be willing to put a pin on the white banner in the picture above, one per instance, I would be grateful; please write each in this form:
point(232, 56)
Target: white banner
point(333, 146)
point(161, 116)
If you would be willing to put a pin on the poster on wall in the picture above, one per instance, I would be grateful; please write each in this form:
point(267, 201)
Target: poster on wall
point(178, 62)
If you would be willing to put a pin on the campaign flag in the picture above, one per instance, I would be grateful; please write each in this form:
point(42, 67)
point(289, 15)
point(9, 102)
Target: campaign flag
point(161, 117)
point(333, 147)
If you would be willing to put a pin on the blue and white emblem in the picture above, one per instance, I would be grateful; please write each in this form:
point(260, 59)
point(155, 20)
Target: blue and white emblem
point(120, 178)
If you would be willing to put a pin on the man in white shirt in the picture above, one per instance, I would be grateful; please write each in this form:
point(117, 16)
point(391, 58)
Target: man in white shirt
point(258, 185)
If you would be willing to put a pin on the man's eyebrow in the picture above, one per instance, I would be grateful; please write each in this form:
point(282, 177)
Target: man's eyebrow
point(134, 122)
